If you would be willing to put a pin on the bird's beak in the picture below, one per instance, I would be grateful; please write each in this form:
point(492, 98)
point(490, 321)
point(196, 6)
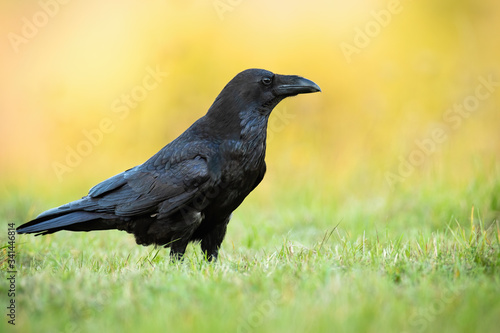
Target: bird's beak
point(291, 85)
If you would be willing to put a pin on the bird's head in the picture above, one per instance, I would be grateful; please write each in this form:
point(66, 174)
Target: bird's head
point(264, 89)
point(254, 93)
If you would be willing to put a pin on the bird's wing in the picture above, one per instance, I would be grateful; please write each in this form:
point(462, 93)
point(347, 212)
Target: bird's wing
point(144, 190)
point(167, 181)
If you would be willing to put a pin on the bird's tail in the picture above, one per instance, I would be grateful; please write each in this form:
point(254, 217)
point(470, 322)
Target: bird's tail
point(71, 216)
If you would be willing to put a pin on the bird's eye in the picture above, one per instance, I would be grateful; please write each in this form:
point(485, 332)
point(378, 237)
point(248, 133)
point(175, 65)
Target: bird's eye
point(267, 81)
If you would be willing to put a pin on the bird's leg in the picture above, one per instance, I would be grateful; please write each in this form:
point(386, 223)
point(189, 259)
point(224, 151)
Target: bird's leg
point(212, 241)
point(177, 250)
point(210, 254)
point(176, 256)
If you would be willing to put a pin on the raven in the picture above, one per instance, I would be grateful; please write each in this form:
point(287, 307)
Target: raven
point(188, 190)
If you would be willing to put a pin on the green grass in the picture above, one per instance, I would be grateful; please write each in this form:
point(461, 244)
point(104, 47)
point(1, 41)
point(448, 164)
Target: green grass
point(293, 261)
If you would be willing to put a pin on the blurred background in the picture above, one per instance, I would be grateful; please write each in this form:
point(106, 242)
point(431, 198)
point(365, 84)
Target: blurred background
point(410, 101)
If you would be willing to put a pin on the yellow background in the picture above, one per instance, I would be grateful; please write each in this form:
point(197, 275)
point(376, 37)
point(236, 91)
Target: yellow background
point(419, 62)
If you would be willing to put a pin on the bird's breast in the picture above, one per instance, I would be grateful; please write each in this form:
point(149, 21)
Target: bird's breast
point(241, 165)
point(242, 157)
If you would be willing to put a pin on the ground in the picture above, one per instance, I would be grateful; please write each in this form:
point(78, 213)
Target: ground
point(420, 260)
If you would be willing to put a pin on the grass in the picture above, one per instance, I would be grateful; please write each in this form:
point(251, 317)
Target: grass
point(322, 245)
point(292, 264)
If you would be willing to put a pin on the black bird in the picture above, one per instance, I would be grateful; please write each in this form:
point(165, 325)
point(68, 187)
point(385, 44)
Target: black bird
point(188, 190)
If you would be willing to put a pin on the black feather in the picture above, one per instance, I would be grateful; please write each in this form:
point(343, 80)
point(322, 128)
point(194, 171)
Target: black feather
point(189, 189)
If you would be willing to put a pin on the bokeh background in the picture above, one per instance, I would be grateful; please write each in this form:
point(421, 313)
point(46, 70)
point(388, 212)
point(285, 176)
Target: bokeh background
point(391, 73)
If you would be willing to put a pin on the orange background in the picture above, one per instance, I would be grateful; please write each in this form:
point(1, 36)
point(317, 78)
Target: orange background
point(394, 90)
